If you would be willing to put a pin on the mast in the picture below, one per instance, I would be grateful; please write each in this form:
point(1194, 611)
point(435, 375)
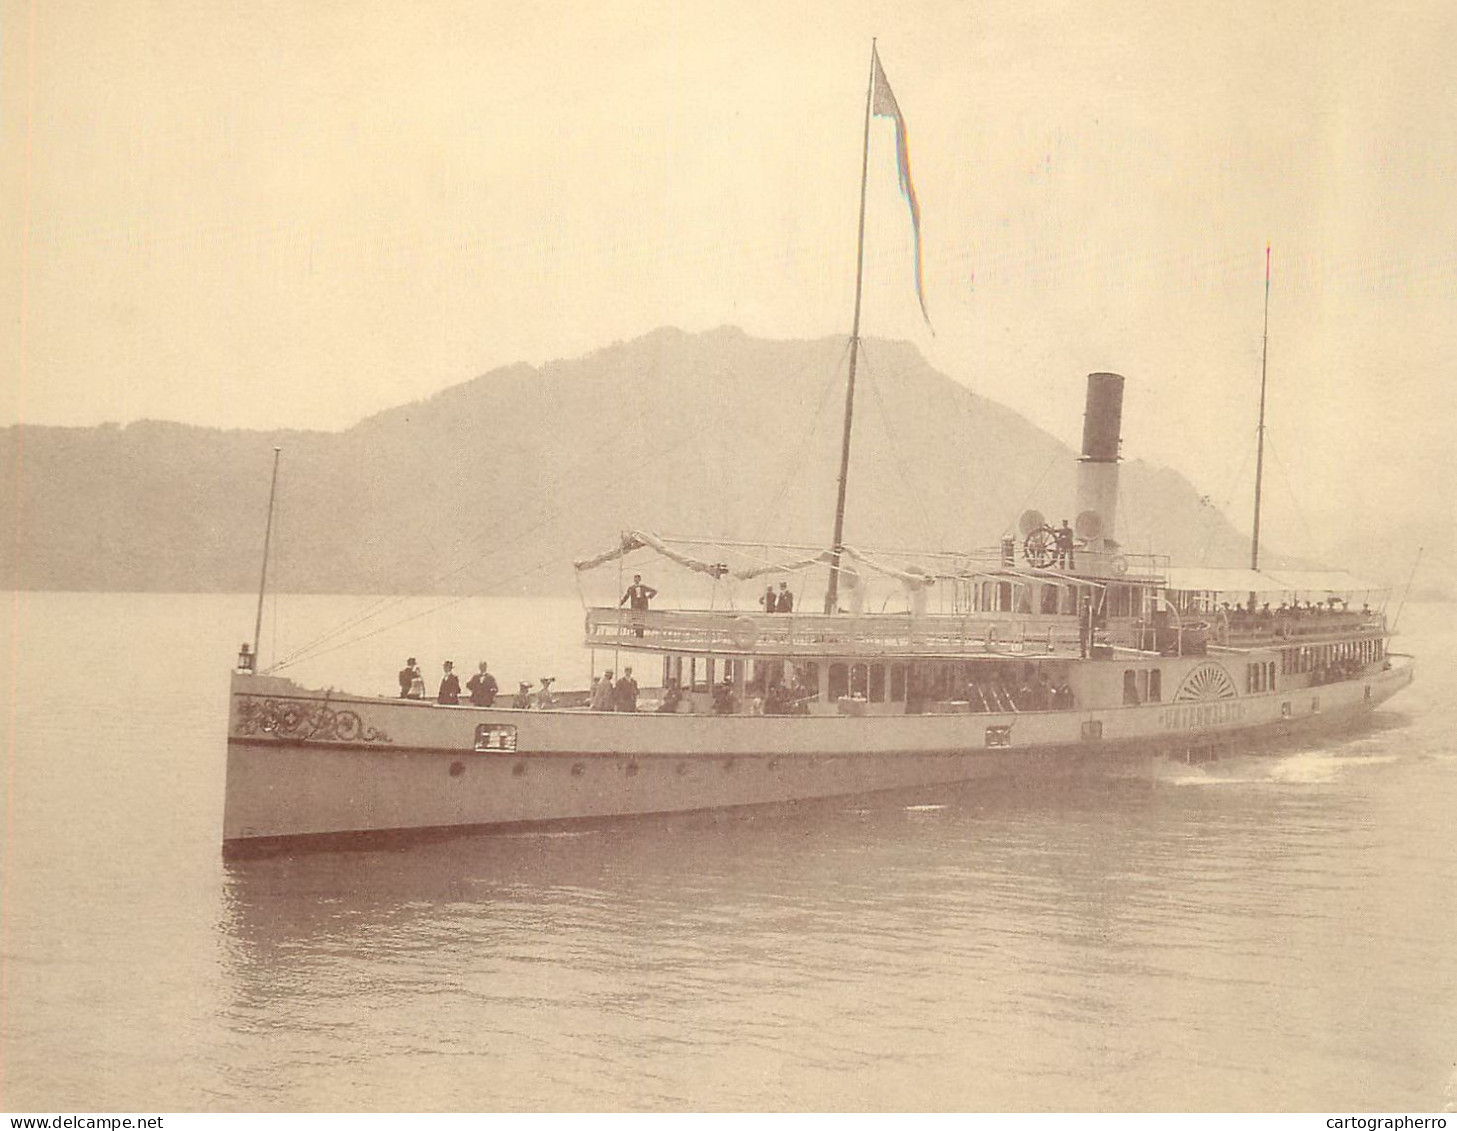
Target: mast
point(1260, 447)
point(832, 594)
point(267, 537)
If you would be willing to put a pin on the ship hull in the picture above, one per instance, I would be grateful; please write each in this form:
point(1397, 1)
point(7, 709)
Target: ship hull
point(310, 766)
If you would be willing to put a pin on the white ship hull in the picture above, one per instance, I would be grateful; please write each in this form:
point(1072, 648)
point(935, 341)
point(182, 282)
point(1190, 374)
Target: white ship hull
point(308, 764)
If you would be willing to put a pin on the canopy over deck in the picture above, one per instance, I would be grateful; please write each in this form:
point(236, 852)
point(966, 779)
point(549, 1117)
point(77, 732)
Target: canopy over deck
point(1214, 580)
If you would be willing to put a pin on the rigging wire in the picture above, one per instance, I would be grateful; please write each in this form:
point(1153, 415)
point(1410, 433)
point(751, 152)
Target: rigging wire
point(384, 604)
point(928, 527)
point(802, 450)
point(1227, 498)
point(1310, 539)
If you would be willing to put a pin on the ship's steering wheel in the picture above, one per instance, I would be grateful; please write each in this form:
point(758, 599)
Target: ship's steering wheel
point(1040, 546)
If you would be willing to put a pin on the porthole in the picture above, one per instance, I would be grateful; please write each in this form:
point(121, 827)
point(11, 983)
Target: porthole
point(578, 769)
point(631, 769)
point(518, 770)
point(456, 769)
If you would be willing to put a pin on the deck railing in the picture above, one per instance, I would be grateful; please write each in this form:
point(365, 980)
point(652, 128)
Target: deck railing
point(934, 634)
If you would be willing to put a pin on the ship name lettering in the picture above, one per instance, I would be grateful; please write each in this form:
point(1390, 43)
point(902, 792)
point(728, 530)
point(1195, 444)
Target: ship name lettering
point(1195, 716)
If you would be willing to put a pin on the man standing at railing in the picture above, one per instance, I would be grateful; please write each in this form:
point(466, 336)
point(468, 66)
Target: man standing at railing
point(639, 595)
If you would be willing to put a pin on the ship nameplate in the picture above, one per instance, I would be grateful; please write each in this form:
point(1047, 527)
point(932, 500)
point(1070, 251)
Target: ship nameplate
point(492, 738)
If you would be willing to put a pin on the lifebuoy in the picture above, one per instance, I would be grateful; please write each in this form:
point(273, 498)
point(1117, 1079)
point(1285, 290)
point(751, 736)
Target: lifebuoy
point(993, 633)
point(1119, 565)
point(744, 631)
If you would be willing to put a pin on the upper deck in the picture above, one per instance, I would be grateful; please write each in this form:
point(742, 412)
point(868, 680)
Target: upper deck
point(976, 633)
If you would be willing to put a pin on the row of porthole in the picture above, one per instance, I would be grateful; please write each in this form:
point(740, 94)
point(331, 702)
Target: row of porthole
point(579, 768)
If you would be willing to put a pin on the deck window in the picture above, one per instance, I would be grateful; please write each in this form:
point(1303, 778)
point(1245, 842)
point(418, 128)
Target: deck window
point(897, 683)
point(1155, 685)
point(1049, 598)
point(1130, 687)
point(839, 681)
point(877, 683)
point(860, 681)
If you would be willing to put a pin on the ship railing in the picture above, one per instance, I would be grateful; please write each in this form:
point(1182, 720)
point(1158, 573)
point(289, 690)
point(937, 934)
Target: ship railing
point(810, 634)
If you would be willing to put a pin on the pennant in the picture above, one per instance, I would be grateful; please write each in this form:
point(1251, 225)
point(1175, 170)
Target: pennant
point(884, 105)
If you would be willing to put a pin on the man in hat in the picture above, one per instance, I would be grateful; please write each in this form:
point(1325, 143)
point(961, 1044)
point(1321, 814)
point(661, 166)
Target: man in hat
point(449, 685)
point(624, 695)
point(785, 603)
point(482, 687)
point(602, 692)
point(408, 675)
point(637, 597)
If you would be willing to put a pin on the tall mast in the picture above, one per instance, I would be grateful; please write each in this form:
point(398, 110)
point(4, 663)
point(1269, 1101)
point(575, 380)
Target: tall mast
point(267, 537)
point(1260, 447)
point(832, 594)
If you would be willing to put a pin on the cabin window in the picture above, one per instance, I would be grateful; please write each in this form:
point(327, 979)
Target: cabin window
point(1049, 598)
point(897, 683)
point(1155, 685)
point(999, 736)
point(1130, 686)
point(839, 681)
point(877, 683)
point(809, 677)
point(1004, 596)
point(1143, 687)
point(708, 672)
point(1270, 676)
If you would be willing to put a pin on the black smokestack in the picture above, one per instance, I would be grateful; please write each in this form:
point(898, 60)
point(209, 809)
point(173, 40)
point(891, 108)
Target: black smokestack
point(1103, 417)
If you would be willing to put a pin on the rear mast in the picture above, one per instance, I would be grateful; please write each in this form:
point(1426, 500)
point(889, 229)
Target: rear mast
point(832, 594)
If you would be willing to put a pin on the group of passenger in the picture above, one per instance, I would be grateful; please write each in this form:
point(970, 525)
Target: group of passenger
point(1038, 694)
point(481, 689)
point(781, 602)
point(614, 695)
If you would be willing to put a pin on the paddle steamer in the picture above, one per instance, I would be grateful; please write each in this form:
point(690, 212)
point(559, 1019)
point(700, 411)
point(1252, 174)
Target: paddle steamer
point(1057, 650)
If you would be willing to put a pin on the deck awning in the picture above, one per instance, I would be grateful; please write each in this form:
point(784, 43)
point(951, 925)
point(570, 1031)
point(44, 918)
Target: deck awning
point(1210, 579)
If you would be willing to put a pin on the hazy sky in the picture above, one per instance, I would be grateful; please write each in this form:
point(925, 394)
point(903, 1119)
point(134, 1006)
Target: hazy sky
point(260, 214)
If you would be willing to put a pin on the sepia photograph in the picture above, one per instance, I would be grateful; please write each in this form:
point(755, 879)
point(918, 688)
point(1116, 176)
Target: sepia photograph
point(646, 556)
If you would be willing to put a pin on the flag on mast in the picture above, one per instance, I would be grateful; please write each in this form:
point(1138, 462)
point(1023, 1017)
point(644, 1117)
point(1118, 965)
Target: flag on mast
point(884, 105)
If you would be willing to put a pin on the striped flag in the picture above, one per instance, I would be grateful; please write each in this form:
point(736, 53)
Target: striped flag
point(884, 105)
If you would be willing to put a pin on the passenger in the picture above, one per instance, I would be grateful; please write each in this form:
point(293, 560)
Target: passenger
point(769, 602)
point(776, 700)
point(723, 697)
point(639, 595)
point(482, 687)
point(602, 693)
point(672, 696)
point(522, 699)
point(1065, 693)
point(624, 695)
point(544, 698)
point(785, 604)
point(449, 685)
point(1042, 693)
point(409, 676)
point(973, 697)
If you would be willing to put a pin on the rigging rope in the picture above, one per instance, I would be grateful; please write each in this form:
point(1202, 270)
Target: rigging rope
point(928, 527)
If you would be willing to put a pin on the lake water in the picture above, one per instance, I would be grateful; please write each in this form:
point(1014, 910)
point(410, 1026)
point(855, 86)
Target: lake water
point(1272, 933)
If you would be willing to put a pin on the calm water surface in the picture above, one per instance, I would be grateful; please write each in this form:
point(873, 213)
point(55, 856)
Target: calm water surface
point(1272, 933)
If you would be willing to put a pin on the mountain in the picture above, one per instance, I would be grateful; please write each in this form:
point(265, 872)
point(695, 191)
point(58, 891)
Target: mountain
point(495, 485)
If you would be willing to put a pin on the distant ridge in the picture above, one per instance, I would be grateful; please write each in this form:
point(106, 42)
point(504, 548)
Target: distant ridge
point(494, 485)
